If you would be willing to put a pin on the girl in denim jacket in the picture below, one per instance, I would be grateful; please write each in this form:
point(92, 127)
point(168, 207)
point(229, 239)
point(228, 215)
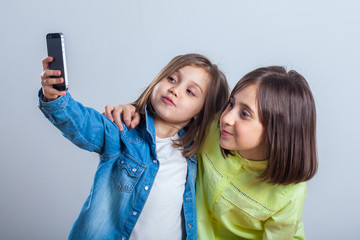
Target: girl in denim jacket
point(144, 185)
point(256, 159)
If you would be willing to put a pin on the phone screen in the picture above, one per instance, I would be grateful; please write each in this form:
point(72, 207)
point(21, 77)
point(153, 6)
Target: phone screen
point(56, 49)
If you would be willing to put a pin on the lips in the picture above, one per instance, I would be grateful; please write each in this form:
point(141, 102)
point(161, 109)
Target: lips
point(168, 100)
point(226, 133)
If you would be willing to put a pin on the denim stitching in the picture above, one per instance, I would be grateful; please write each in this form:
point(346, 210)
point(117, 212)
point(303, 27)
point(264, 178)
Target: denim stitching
point(134, 178)
point(105, 157)
point(130, 140)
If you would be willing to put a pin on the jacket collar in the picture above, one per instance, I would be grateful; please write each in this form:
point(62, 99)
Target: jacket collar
point(150, 125)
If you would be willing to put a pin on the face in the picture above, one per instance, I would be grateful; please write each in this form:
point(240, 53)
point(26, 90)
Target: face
point(240, 126)
point(181, 96)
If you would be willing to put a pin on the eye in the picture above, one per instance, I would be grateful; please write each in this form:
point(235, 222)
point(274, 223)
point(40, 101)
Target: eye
point(245, 114)
point(190, 92)
point(231, 104)
point(171, 79)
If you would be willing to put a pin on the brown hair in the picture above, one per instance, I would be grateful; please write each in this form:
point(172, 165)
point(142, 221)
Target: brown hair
point(287, 111)
point(216, 97)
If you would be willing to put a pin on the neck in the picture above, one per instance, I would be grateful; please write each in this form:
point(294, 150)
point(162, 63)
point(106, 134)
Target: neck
point(257, 154)
point(165, 130)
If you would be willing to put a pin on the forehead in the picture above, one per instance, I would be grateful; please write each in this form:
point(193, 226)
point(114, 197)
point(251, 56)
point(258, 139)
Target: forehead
point(247, 95)
point(193, 73)
point(191, 68)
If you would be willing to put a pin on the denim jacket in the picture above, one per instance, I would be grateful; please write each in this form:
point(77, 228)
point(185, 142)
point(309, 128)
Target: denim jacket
point(125, 174)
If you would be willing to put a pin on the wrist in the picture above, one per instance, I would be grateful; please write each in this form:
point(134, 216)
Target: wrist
point(45, 99)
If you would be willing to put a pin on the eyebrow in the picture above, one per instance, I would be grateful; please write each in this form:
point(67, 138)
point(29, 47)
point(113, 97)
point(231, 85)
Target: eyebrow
point(247, 107)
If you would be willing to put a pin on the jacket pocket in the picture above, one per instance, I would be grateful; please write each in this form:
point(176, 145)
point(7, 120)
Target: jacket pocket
point(126, 173)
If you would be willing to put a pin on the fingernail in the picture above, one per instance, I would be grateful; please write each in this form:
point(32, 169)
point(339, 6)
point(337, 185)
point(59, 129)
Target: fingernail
point(63, 93)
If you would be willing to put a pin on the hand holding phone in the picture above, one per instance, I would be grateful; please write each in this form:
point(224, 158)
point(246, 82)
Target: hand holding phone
point(49, 78)
point(56, 48)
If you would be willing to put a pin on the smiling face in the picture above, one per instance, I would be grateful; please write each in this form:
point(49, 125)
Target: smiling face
point(240, 126)
point(181, 96)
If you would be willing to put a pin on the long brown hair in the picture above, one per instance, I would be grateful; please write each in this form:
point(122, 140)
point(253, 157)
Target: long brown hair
point(287, 111)
point(216, 97)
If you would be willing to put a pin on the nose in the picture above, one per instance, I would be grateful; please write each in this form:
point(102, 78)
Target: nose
point(174, 91)
point(228, 118)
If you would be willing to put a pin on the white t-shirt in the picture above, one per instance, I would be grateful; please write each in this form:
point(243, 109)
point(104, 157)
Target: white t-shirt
point(161, 217)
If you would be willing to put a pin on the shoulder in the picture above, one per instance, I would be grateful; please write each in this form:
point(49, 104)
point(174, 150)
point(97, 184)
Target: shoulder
point(283, 195)
point(136, 135)
point(291, 190)
point(274, 197)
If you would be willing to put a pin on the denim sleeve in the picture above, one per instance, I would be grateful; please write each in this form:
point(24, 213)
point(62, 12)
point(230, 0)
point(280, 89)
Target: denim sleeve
point(83, 126)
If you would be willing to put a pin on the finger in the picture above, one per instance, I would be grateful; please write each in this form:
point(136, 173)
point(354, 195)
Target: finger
point(127, 116)
point(50, 73)
point(135, 120)
point(51, 81)
point(52, 93)
point(117, 117)
point(108, 112)
point(46, 62)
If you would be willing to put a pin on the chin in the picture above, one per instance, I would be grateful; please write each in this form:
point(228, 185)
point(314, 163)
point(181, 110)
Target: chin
point(224, 145)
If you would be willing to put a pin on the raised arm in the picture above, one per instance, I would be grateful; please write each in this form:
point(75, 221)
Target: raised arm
point(83, 126)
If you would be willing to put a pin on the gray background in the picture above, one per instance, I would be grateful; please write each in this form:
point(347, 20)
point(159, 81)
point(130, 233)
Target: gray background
point(115, 48)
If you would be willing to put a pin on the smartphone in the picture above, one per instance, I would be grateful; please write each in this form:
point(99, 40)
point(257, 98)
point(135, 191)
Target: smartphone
point(56, 49)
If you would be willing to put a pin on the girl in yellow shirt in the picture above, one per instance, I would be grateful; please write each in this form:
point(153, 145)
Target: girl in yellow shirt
point(253, 186)
point(256, 159)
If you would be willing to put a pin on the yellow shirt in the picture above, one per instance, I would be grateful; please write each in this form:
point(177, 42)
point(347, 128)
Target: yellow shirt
point(232, 203)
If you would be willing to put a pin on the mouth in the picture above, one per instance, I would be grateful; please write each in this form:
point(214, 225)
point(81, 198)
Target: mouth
point(168, 100)
point(226, 133)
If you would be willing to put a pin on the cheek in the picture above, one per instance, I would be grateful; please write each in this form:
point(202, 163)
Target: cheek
point(259, 129)
point(257, 134)
point(200, 106)
point(154, 93)
point(194, 106)
point(262, 136)
point(152, 98)
point(155, 90)
point(244, 134)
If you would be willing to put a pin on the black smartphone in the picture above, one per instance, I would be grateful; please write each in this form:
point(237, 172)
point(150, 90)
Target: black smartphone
point(56, 49)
